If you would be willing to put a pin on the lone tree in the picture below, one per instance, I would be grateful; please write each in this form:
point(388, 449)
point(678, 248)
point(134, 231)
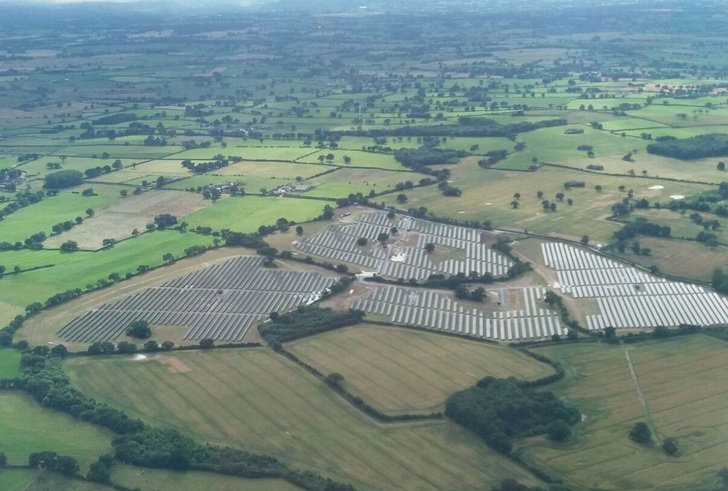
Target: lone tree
point(383, 237)
point(584, 239)
point(641, 433)
point(139, 329)
point(362, 241)
point(669, 446)
point(299, 230)
point(430, 247)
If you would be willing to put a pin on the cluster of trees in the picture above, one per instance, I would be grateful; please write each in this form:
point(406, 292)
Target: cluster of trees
point(202, 167)
point(642, 226)
point(63, 179)
point(107, 169)
point(124, 347)
point(513, 485)
point(306, 320)
point(415, 158)
point(493, 157)
point(696, 147)
point(719, 281)
point(499, 410)
point(53, 462)
point(476, 295)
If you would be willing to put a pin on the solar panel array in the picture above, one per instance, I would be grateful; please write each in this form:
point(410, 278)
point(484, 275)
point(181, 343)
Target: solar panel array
point(339, 242)
point(628, 297)
point(221, 302)
point(433, 310)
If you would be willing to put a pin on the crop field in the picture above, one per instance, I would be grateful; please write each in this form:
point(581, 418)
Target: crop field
point(132, 213)
point(248, 213)
point(685, 398)
point(630, 298)
point(220, 302)
point(264, 403)
point(164, 480)
point(401, 371)
point(404, 255)
point(27, 427)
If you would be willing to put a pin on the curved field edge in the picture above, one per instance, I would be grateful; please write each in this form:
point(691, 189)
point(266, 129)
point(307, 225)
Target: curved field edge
point(399, 370)
point(27, 427)
point(256, 400)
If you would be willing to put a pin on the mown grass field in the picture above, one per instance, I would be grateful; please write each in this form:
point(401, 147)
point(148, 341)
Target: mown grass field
point(40, 217)
point(688, 259)
point(28, 427)
point(248, 213)
point(78, 269)
point(164, 480)
point(685, 393)
point(399, 371)
point(259, 401)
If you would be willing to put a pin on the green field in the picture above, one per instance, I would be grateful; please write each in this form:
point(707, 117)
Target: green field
point(27, 427)
point(398, 370)
point(9, 363)
point(685, 397)
point(257, 400)
point(487, 195)
point(78, 269)
point(40, 217)
point(246, 214)
point(34, 480)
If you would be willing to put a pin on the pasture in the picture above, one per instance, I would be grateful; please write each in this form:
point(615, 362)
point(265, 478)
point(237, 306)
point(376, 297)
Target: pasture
point(685, 398)
point(259, 401)
point(28, 427)
point(404, 371)
point(41, 216)
point(488, 194)
point(248, 213)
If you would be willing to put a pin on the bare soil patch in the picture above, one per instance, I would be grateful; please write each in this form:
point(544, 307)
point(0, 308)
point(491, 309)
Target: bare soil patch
point(175, 364)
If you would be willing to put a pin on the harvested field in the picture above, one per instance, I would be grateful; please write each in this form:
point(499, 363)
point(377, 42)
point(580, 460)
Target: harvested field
point(257, 400)
point(132, 213)
point(685, 395)
point(400, 370)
